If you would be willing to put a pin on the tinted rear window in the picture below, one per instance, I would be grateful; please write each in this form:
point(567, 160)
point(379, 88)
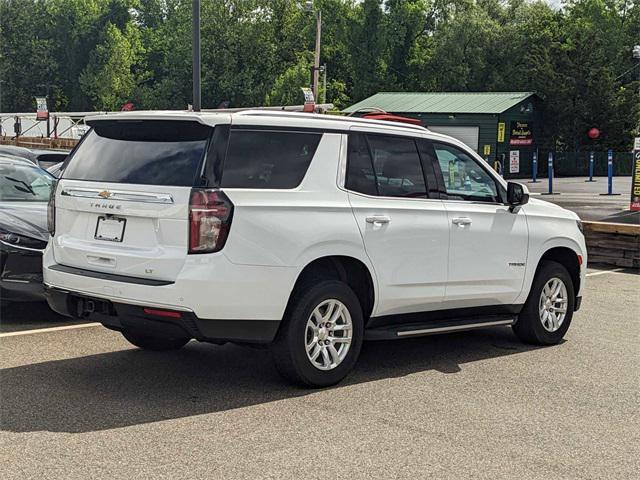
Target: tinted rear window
point(145, 152)
point(268, 159)
point(384, 165)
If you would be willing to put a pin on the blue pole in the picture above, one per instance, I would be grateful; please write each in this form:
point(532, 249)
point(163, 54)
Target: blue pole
point(591, 158)
point(550, 170)
point(609, 174)
point(534, 168)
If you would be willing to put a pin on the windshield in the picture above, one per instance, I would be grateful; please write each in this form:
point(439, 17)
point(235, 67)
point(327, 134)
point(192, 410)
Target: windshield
point(24, 183)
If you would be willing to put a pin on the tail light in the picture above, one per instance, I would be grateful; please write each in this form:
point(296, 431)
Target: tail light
point(51, 210)
point(210, 214)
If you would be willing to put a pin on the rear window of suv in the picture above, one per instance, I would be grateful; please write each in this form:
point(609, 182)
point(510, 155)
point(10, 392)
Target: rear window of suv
point(268, 158)
point(145, 152)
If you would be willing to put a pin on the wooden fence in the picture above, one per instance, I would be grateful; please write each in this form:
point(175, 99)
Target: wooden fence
point(40, 142)
point(613, 243)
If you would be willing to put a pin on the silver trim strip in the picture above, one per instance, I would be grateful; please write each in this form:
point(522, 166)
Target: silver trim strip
point(121, 195)
point(20, 247)
point(454, 328)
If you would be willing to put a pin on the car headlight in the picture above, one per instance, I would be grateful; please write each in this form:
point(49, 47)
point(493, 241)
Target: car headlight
point(580, 226)
point(21, 241)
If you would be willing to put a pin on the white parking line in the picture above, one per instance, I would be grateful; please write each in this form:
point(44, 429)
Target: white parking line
point(602, 272)
point(47, 330)
point(86, 325)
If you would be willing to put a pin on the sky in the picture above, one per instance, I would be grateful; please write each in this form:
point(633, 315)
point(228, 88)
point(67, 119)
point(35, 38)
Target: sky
point(554, 3)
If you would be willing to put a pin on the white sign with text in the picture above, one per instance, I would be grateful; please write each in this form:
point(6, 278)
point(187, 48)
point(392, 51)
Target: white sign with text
point(514, 161)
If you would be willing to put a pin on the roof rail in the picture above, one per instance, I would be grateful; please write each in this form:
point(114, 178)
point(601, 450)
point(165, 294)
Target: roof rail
point(319, 107)
point(294, 114)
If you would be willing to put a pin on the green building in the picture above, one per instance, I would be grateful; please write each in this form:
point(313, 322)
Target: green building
point(502, 126)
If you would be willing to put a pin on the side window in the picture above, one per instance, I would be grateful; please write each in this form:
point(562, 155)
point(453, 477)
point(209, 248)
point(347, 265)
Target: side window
point(268, 159)
point(464, 178)
point(397, 167)
point(360, 175)
point(385, 166)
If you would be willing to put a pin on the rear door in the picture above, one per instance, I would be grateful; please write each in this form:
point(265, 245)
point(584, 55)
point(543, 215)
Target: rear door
point(123, 201)
point(405, 232)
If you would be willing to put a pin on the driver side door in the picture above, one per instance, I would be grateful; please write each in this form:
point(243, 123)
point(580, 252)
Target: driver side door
point(487, 243)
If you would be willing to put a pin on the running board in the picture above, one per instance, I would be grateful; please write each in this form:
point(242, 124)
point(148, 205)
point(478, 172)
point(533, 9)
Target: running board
point(395, 332)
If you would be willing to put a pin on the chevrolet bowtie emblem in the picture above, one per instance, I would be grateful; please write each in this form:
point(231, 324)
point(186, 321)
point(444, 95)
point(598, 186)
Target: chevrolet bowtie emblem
point(105, 194)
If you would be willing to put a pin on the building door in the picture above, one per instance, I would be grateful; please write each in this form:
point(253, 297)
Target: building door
point(468, 135)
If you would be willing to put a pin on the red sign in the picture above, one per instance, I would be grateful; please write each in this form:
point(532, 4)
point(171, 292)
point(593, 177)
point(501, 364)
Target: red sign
point(42, 112)
point(309, 101)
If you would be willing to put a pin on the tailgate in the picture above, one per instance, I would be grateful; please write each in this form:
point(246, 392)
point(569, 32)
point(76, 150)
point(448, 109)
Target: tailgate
point(138, 230)
point(122, 205)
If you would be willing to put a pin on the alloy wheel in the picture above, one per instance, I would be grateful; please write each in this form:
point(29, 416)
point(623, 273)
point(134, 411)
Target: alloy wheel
point(328, 334)
point(553, 305)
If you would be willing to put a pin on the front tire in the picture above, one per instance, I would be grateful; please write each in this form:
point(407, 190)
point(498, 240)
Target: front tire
point(548, 311)
point(156, 344)
point(321, 335)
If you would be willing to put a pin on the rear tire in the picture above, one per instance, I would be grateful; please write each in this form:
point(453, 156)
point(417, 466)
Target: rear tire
point(156, 344)
point(548, 311)
point(321, 334)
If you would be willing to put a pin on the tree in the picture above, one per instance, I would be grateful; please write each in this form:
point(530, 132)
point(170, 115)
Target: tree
point(27, 66)
point(286, 88)
point(95, 54)
point(110, 78)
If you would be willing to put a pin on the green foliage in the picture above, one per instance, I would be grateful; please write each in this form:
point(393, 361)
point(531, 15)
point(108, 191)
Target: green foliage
point(287, 87)
point(99, 54)
point(110, 77)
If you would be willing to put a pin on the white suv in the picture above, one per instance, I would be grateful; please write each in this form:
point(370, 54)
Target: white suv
point(310, 233)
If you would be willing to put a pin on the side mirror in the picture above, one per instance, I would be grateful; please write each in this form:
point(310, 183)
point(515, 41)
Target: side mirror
point(517, 195)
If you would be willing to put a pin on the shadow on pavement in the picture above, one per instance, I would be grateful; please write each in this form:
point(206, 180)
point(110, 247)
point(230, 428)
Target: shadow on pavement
point(131, 387)
point(19, 316)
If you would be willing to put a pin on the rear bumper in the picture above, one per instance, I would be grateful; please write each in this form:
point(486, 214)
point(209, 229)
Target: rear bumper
point(210, 286)
point(123, 316)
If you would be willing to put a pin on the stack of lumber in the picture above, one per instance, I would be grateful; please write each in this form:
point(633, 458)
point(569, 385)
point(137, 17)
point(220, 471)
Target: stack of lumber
point(613, 243)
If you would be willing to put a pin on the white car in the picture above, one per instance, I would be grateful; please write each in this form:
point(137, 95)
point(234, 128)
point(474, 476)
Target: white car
point(310, 233)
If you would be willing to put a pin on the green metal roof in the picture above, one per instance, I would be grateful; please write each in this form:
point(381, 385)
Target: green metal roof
point(442, 102)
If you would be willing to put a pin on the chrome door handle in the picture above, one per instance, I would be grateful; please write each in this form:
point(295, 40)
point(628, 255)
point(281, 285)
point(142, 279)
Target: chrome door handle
point(378, 219)
point(461, 221)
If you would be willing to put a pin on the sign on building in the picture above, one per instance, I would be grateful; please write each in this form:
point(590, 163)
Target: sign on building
point(501, 128)
point(514, 161)
point(521, 133)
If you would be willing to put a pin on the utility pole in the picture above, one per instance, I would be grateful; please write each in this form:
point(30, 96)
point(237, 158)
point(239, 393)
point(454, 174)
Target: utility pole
point(195, 27)
point(316, 60)
point(324, 83)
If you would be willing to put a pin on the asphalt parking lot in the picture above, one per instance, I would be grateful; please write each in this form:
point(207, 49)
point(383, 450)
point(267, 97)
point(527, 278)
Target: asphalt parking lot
point(82, 403)
point(585, 198)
